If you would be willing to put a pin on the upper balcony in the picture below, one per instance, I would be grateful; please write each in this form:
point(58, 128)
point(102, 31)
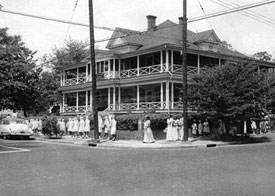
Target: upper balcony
point(137, 66)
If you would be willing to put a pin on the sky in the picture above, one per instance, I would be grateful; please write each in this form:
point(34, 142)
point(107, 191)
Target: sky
point(245, 34)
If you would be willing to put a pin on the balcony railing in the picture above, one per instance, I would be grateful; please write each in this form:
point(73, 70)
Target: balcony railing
point(136, 72)
point(74, 81)
point(73, 109)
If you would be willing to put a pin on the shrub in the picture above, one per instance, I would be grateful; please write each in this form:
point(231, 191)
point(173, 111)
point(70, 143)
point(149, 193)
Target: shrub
point(49, 126)
point(127, 122)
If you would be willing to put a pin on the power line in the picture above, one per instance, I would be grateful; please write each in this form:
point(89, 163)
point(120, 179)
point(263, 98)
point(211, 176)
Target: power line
point(247, 13)
point(69, 26)
point(167, 26)
point(204, 13)
point(231, 11)
point(53, 19)
point(256, 13)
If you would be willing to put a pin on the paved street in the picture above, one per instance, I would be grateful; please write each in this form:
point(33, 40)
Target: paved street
point(34, 168)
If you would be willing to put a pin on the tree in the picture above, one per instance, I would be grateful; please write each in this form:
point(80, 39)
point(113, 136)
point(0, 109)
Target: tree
point(17, 65)
point(231, 93)
point(74, 51)
point(262, 56)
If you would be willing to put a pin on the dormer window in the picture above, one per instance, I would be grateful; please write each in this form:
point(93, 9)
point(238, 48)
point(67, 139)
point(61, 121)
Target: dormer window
point(118, 41)
point(211, 48)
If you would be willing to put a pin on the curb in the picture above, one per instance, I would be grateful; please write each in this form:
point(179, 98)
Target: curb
point(102, 145)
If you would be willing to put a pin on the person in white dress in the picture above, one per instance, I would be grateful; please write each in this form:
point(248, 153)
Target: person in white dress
point(87, 127)
point(100, 126)
point(40, 125)
point(181, 128)
point(75, 127)
point(62, 127)
point(170, 135)
point(148, 134)
point(70, 126)
point(81, 127)
point(107, 127)
point(194, 128)
point(113, 128)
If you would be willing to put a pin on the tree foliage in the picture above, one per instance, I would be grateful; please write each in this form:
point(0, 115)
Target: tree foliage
point(262, 56)
point(230, 93)
point(73, 52)
point(17, 64)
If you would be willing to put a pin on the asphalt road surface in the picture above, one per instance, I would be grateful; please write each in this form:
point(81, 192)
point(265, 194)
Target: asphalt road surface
point(34, 168)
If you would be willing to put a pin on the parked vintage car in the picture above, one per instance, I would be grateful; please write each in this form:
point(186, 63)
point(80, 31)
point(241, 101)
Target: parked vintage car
point(14, 127)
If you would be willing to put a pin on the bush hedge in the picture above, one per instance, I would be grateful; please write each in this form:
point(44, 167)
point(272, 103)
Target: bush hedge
point(49, 126)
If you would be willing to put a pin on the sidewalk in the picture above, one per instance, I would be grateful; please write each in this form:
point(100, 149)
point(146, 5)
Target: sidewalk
point(136, 144)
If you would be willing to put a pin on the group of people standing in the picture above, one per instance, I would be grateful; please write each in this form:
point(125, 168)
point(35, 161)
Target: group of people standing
point(77, 126)
point(80, 126)
point(174, 130)
point(107, 126)
point(35, 125)
point(200, 128)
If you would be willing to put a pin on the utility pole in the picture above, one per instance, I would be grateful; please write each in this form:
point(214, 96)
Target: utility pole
point(184, 71)
point(92, 57)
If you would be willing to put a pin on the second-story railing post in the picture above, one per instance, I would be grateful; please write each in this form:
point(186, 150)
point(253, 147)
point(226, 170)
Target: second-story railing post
point(77, 75)
point(114, 68)
point(119, 67)
point(161, 61)
point(77, 100)
point(172, 60)
point(167, 61)
point(138, 65)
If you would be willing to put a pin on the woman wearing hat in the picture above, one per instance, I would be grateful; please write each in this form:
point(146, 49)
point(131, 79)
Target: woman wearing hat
point(148, 134)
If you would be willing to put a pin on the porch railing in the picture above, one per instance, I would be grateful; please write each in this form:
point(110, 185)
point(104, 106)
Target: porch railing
point(175, 68)
point(74, 81)
point(72, 109)
point(150, 105)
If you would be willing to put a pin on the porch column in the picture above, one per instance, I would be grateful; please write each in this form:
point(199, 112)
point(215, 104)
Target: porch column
point(63, 103)
point(119, 67)
point(172, 95)
point(91, 101)
point(86, 101)
point(167, 96)
point(199, 64)
point(138, 97)
point(86, 73)
point(109, 69)
point(77, 101)
point(172, 60)
point(161, 95)
point(77, 75)
point(114, 68)
point(64, 78)
point(119, 98)
point(161, 61)
point(138, 65)
point(167, 61)
point(220, 62)
point(109, 98)
point(114, 98)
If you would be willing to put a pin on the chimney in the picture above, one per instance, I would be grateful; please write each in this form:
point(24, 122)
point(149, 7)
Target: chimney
point(151, 22)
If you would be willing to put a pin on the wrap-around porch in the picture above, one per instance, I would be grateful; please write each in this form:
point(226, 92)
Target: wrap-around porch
point(163, 96)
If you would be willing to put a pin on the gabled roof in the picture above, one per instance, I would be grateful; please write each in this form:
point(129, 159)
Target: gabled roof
point(209, 35)
point(167, 32)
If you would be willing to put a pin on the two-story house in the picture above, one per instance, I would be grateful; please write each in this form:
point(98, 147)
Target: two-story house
point(142, 71)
